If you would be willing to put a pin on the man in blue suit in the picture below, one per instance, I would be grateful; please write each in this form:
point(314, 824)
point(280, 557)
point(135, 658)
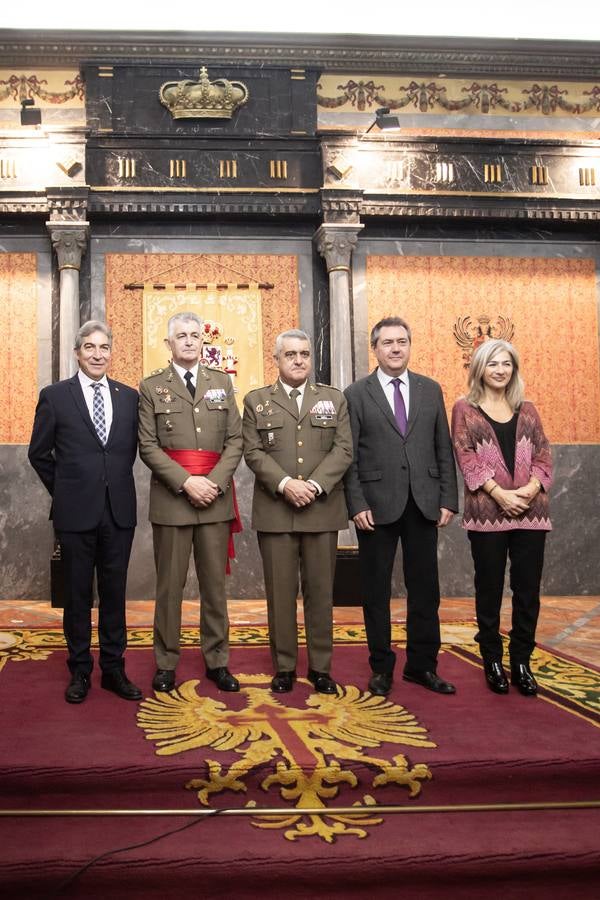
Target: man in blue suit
point(83, 447)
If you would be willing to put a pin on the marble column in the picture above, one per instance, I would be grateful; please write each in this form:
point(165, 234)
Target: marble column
point(69, 240)
point(335, 243)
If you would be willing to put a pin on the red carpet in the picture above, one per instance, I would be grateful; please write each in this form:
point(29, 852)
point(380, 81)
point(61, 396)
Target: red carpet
point(296, 752)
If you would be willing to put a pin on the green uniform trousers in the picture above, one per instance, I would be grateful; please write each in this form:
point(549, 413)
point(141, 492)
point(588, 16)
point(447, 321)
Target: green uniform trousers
point(172, 547)
point(310, 555)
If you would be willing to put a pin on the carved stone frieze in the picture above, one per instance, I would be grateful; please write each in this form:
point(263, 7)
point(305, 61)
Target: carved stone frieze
point(441, 210)
point(341, 206)
point(67, 206)
point(469, 56)
point(479, 96)
point(69, 242)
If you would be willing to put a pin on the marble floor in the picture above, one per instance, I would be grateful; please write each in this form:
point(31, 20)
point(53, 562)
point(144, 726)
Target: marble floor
point(570, 625)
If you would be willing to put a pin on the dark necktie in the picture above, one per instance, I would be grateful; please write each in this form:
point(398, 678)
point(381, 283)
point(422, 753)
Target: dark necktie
point(399, 407)
point(294, 394)
point(98, 416)
point(188, 383)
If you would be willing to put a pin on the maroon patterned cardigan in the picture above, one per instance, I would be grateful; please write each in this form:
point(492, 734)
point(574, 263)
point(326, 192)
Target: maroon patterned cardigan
point(479, 458)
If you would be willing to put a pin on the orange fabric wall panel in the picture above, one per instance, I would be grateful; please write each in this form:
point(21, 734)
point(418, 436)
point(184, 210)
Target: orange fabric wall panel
point(18, 326)
point(551, 303)
point(280, 306)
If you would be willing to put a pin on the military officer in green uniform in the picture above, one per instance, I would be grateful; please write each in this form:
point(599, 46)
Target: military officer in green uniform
point(297, 441)
point(190, 438)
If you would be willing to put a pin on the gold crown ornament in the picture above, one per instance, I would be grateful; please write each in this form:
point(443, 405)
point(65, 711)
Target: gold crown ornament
point(203, 99)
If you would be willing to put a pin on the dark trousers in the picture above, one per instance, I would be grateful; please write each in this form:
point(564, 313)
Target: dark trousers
point(377, 550)
point(105, 549)
point(490, 551)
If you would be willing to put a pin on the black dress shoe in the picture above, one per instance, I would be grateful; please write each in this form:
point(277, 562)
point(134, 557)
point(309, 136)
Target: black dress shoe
point(283, 682)
point(522, 677)
point(78, 688)
point(322, 682)
point(223, 679)
point(164, 680)
point(118, 682)
point(495, 677)
point(431, 681)
point(380, 683)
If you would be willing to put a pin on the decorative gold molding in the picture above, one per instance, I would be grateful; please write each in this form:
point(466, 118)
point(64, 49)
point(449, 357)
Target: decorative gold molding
point(587, 177)
point(215, 189)
point(278, 168)
point(228, 168)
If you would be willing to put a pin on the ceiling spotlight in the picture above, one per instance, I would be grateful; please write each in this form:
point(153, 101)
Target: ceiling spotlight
point(30, 115)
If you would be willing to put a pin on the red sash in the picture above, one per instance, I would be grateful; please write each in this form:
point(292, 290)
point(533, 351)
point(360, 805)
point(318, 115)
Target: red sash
point(201, 462)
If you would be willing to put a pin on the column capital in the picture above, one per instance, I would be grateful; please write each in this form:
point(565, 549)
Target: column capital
point(335, 243)
point(69, 239)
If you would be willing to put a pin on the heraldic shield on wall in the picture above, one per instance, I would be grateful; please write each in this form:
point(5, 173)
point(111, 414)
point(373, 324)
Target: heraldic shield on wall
point(232, 336)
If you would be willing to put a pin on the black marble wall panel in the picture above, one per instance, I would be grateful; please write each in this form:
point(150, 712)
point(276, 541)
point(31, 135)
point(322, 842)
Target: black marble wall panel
point(195, 164)
point(124, 99)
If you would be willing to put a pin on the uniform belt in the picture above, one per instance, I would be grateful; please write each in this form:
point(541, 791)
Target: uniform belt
point(202, 462)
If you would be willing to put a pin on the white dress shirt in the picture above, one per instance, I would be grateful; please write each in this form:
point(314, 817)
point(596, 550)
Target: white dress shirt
point(88, 395)
point(388, 388)
point(193, 371)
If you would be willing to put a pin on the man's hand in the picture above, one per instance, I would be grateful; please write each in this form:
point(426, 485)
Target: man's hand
point(446, 516)
point(299, 493)
point(200, 490)
point(364, 520)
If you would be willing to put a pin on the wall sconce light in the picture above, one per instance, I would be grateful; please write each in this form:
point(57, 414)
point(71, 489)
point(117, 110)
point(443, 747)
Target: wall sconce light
point(384, 120)
point(30, 115)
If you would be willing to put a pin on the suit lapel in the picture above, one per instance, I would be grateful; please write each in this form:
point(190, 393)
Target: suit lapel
point(116, 409)
point(378, 395)
point(414, 403)
point(77, 394)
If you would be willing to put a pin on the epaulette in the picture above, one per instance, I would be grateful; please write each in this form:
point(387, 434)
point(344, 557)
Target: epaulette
point(330, 386)
point(156, 372)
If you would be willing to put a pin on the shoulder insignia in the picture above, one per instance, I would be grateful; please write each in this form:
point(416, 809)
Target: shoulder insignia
point(156, 372)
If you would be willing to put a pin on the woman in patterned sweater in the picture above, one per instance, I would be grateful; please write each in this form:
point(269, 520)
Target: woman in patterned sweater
point(504, 457)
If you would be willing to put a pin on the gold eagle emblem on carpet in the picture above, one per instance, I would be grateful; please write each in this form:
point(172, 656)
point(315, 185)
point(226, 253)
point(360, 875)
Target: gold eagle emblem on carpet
point(306, 746)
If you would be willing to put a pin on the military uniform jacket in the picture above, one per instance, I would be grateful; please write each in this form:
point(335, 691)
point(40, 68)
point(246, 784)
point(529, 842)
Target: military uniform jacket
point(169, 418)
point(315, 443)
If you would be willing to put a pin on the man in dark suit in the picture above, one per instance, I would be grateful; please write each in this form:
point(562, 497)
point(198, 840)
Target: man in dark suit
point(297, 442)
point(83, 447)
point(401, 485)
